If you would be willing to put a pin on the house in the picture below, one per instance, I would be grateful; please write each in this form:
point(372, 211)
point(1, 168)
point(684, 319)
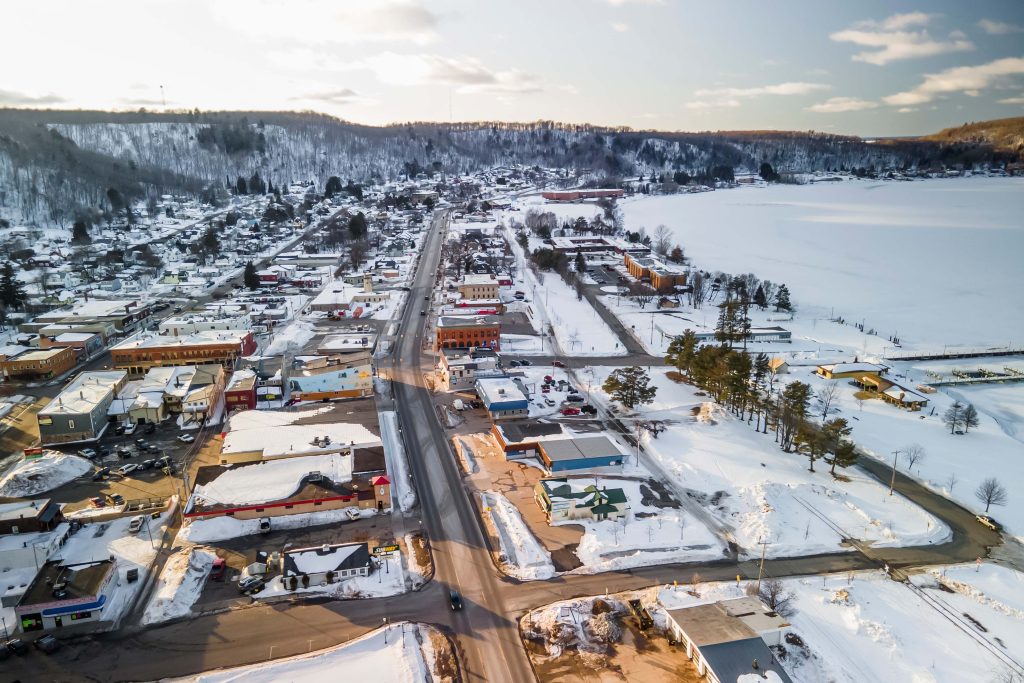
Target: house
point(729, 640)
point(563, 500)
point(503, 397)
point(67, 594)
point(465, 332)
point(580, 453)
point(327, 563)
point(847, 370)
point(24, 516)
point(142, 352)
point(891, 392)
point(479, 287)
point(778, 366)
point(79, 412)
point(39, 364)
point(458, 368)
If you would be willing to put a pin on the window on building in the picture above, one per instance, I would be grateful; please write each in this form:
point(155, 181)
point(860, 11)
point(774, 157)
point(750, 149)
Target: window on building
point(71, 424)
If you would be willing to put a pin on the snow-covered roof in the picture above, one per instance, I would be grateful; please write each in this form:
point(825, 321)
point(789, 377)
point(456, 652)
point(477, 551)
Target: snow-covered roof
point(271, 480)
point(152, 341)
point(272, 433)
point(326, 558)
point(84, 393)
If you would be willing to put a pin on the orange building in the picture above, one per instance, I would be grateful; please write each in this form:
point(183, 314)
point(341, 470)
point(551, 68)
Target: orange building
point(37, 364)
point(454, 332)
point(139, 354)
point(663, 277)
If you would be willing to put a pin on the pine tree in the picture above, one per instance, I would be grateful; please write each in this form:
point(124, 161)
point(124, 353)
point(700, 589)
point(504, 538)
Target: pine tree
point(80, 233)
point(682, 351)
point(240, 186)
point(249, 277)
point(782, 302)
point(581, 263)
point(630, 387)
point(970, 417)
point(760, 300)
point(12, 290)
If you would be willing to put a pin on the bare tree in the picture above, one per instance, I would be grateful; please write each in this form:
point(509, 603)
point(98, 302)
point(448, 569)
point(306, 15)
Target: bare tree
point(991, 492)
point(914, 453)
point(641, 293)
point(700, 286)
point(357, 252)
point(826, 399)
point(970, 417)
point(774, 594)
point(662, 241)
point(951, 481)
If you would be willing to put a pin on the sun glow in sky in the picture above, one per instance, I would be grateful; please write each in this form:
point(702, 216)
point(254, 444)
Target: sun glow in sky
point(870, 68)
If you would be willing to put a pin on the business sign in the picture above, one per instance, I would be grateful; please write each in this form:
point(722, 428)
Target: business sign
point(383, 549)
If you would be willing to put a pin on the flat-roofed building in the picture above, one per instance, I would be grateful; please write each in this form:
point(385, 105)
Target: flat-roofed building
point(503, 397)
point(580, 453)
point(483, 286)
point(145, 351)
point(79, 412)
point(465, 332)
point(67, 594)
point(39, 364)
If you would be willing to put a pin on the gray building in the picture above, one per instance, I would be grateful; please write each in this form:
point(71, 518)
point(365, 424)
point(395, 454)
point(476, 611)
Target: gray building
point(79, 412)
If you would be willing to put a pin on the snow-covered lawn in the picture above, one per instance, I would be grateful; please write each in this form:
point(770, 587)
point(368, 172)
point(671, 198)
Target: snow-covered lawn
point(369, 658)
point(223, 528)
point(524, 556)
point(179, 585)
point(33, 476)
point(766, 495)
point(992, 449)
point(879, 251)
point(398, 465)
point(648, 535)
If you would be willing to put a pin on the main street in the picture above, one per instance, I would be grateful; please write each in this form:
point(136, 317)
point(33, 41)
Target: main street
point(486, 629)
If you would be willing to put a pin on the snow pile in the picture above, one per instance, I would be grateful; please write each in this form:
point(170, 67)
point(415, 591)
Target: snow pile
point(587, 625)
point(273, 479)
point(398, 465)
point(223, 528)
point(524, 557)
point(180, 585)
point(33, 476)
point(291, 339)
point(368, 658)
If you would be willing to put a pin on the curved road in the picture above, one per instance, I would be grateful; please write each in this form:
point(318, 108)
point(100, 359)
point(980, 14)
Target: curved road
point(486, 630)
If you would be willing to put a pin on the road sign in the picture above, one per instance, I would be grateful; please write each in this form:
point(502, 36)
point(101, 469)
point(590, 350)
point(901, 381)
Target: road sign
point(381, 549)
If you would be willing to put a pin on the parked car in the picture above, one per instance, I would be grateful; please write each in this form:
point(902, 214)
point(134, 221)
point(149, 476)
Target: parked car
point(455, 600)
point(125, 470)
point(17, 646)
point(992, 524)
point(141, 443)
point(250, 584)
point(115, 499)
point(218, 569)
point(87, 453)
point(147, 464)
point(48, 644)
point(569, 410)
point(129, 429)
point(98, 502)
point(124, 452)
point(103, 451)
point(557, 364)
point(588, 409)
point(151, 427)
point(100, 474)
point(119, 429)
point(135, 525)
point(548, 379)
point(525, 363)
point(549, 402)
point(186, 438)
point(152, 448)
point(575, 398)
point(423, 312)
point(545, 389)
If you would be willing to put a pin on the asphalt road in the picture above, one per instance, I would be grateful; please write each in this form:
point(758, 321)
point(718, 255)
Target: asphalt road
point(486, 629)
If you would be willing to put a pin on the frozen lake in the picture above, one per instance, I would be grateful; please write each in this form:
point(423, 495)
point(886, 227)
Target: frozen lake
point(937, 262)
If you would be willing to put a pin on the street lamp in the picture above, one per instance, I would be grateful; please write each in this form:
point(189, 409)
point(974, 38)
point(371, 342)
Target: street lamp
point(892, 480)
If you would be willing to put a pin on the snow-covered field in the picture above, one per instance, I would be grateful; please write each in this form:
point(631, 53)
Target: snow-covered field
point(934, 261)
point(367, 658)
point(525, 556)
point(33, 476)
point(952, 464)
point(179, 585)
point(765, 495)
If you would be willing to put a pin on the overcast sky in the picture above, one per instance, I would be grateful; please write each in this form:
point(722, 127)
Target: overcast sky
point(868, 67)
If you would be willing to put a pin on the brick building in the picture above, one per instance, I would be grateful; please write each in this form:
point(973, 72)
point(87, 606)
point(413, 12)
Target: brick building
point(455, 332)
point(36, 364)
point(138, 354)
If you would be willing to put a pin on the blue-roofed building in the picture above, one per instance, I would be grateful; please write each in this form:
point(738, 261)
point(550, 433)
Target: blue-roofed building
point(504, 397)
point(63, 595)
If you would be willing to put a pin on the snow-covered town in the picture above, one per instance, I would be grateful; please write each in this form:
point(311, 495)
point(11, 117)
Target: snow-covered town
point(288, 394)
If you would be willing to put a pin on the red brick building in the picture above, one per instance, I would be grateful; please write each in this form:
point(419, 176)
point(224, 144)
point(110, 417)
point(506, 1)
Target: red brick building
point(468, 332)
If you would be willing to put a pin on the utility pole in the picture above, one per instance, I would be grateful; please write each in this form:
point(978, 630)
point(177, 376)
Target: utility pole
point(892, 480)
point(760, 568)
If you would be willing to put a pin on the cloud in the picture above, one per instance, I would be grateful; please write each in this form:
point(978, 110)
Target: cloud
point(1013, 100)
point(999, 28)
point(906, 110)
point(970, 80)
point(142, 101)
point(328, 21)
point(619, 26)
point(466, 74)
point(11, 98)
point(890, 40)
point(837, 105)
point(791, 88)
point(340, 96)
